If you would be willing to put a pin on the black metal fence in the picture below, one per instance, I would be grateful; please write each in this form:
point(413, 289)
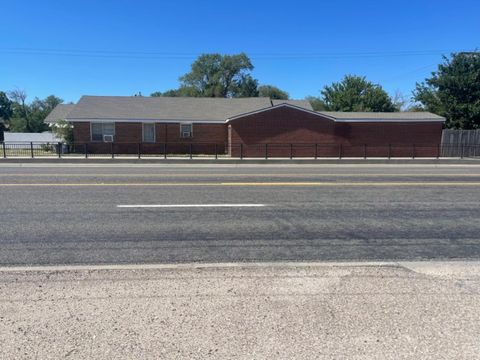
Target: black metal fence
point(240, 151)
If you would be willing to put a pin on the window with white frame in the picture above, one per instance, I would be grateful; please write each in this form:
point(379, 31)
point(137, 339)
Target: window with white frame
point(186, 130)
point(148, 132)
point(103, 131)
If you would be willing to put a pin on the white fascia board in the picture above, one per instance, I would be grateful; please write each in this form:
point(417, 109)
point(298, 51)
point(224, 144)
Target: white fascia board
point(149, 121)
point(389, 120)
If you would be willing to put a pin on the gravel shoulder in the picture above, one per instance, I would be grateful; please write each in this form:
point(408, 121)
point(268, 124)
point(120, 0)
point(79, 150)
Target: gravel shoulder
point(427, 310)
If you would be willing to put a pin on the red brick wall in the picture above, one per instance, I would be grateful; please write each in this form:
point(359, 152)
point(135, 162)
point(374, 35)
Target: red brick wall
point(389, 133)
point(398, 139)
point(202, 133)
point(81, 132)
point(128, 132)
point(205, 136)
point(281, 127)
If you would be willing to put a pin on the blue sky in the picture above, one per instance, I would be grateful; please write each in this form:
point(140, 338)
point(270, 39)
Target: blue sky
point(118, 47)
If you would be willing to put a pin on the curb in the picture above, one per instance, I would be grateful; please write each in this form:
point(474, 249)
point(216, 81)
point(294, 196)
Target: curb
point(355, 161)
point(193, 266)
point(467, 269)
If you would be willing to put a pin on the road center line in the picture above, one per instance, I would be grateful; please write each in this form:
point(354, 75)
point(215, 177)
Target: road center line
point(245, 184)
point(189, 205)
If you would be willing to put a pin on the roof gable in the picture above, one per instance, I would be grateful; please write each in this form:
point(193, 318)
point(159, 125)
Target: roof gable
point(299, 103)
point(281, 105)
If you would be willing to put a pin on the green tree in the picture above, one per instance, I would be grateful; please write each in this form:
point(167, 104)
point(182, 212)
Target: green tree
point(356, 93)
point(39, 110)
point(6, 110)
point(453, 91)
point(20, 120)
point(317, 103)
point(272, 92)
point(182, 91)
point(216, 75)
point(63, 130)
point(30, 117)
point(247, 87)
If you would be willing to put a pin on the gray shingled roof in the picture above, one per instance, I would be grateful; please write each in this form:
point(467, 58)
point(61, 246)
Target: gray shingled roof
point(167, 108)
point(300, 103)
point(202, 109)
point(60, 112)
point(386, 116)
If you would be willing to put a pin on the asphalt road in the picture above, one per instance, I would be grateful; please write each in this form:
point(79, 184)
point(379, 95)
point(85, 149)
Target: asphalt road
point(51, 214)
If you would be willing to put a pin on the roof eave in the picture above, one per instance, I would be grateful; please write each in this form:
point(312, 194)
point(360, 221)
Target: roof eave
point(389, 120)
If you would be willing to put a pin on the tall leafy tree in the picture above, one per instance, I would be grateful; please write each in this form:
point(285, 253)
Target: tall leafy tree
point(6, 111)
point(217, 75)
point(453, 91)
point(39, 110)
point(20, 121)
point(356, 93)
point(5, 106)
point(30, 117)
point(247, 86)
point(272, 92)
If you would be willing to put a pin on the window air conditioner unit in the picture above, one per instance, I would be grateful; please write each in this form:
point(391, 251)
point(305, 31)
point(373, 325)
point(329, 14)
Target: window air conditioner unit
point(186, 134)
point(107, 138)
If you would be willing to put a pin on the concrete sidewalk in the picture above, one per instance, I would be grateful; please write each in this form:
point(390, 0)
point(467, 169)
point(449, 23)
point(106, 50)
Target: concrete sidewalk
point(236, 161)
point(256, 311)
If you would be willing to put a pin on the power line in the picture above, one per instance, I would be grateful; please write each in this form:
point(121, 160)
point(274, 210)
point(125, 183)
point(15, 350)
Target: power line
point(165, 55)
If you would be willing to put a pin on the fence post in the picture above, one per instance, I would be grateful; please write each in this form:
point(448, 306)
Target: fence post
point(316, 151)
point(190, 149)
point(139, 150)
point(112, 149)
point(266, 151)
point(31, 149)
point(216, 151)
point(86, 151)
point(461, 154)
point(389, 151)
point(438, 151)
point(59, 148)
point(165, 151)
point(413, 151)
point(340, 151)
point(291, 151)
point(4, 150)
point(364, 151)
point(241, 151)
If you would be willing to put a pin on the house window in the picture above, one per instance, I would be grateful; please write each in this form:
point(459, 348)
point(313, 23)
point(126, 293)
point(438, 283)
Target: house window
point(186, 130)
point(149, 132)
point(103, 131)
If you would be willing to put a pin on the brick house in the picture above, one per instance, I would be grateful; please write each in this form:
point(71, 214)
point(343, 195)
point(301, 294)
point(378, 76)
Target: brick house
point(254, 127)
